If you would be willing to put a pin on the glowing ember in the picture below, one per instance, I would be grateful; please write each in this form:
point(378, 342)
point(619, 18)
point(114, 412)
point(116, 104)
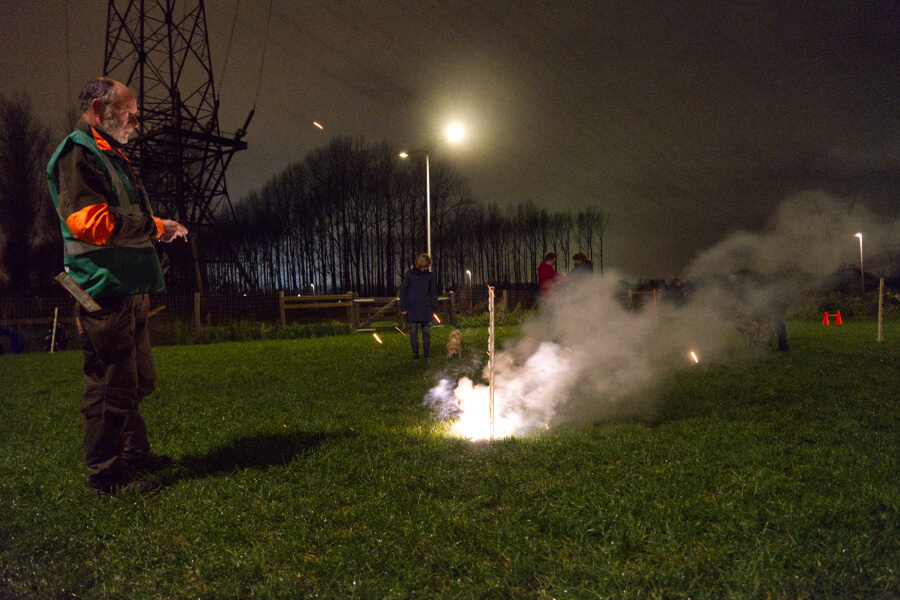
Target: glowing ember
point(377, 339)
point(317, 124)
point(436, 318)
point(694, 356)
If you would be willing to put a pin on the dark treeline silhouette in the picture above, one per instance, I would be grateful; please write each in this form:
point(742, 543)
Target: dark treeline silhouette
point(30, 239)
point(351, 217)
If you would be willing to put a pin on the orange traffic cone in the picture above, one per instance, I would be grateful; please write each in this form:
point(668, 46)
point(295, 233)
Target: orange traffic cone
point(838, 320)
point(825, 319)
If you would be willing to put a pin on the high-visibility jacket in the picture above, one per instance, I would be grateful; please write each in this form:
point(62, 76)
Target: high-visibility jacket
point(105, 215)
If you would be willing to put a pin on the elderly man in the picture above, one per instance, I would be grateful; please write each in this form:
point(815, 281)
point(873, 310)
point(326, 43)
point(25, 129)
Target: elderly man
point(108, 232)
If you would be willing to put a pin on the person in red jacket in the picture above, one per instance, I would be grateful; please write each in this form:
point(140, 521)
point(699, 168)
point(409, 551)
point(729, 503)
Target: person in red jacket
point(547, 273)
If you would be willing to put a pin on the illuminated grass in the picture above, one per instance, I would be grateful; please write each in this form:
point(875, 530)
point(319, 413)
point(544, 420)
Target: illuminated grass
point(309, 468)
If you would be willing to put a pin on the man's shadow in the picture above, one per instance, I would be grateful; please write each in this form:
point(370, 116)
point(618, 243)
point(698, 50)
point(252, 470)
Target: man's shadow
point(260, 451)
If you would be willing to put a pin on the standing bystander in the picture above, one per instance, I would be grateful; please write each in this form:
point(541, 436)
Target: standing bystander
point(419, 302)
point(108, 231)
point(546, 273)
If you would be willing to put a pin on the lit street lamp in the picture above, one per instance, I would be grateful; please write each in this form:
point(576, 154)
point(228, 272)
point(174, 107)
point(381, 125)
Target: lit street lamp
point(862, 274)
point(453, 134)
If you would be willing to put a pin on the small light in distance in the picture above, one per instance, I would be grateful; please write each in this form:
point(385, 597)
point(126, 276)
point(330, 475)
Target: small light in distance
point(317, 124)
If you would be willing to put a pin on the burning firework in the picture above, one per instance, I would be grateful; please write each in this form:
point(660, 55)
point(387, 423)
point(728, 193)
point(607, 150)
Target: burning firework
point(694, 356)
point(436, 318)
point(377, 339)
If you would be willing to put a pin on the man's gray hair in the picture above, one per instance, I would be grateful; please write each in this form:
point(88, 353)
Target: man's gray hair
point(102, 88)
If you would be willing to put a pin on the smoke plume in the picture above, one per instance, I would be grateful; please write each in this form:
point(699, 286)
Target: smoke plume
point(586, 356)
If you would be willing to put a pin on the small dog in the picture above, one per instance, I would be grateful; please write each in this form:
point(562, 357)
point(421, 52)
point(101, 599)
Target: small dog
point(454, 345)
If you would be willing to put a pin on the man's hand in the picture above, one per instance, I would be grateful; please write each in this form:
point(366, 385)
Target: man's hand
point(172, 230)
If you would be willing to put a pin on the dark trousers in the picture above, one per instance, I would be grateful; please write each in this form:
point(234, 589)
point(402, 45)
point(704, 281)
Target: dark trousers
point(118, 373)
point(414, 337)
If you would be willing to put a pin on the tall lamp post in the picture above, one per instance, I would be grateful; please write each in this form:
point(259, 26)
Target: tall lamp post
point(862, 274)
point(453, 134)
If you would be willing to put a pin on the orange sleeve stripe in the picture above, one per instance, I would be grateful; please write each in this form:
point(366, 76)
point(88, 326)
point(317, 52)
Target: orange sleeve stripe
point(160, 229)
point(92, 224)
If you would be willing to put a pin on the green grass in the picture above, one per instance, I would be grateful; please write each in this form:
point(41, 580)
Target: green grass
point(309, 469)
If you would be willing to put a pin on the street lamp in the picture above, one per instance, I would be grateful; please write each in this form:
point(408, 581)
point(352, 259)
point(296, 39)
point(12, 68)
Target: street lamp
point(453, 134)
point(862, 274)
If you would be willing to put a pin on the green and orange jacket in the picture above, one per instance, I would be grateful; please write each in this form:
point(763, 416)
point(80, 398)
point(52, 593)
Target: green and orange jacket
point(107, 224)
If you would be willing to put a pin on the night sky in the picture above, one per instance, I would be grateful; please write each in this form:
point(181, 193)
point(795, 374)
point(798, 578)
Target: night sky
point(686, 121)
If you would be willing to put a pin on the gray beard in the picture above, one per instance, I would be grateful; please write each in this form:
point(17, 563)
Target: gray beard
point(111, 128)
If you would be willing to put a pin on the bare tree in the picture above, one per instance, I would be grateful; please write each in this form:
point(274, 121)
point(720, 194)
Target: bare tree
point(30, 239)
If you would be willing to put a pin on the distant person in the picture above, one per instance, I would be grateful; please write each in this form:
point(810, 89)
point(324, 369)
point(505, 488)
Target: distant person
point(581, 264)
point(108, 231)
point(418, 302)
point(547, 273)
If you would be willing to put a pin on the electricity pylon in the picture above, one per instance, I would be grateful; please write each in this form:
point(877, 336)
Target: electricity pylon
point(159, 48)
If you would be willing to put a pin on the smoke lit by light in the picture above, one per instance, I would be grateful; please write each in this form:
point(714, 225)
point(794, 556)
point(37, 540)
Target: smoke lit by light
point(565, 369)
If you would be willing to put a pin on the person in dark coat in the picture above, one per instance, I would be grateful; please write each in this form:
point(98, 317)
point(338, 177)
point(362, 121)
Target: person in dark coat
point(581, 264)
point(418, 302)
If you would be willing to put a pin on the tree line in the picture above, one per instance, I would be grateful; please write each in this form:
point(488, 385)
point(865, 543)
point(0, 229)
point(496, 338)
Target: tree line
point(350, 216)
point(30, 239)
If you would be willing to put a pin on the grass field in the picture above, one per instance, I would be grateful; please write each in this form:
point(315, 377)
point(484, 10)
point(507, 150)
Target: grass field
point(310, 469)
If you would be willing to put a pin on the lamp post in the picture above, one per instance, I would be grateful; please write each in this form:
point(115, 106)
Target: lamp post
point(862, 274)
point(453, 134)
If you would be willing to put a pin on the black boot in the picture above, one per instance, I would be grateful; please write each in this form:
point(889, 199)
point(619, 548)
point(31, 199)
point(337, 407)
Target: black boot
point(426, 348)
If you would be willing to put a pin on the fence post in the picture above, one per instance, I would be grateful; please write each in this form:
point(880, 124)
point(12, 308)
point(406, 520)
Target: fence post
point(505, 300)
point(281, 306)
point(197, 321)
point(452, 308)
point(354, 311)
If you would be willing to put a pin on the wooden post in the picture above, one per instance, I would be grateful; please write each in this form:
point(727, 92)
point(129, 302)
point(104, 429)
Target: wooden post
point(56, 320)
point(197, 321)
point(281, 306)
point(880, 307)
point(354, 311)
point(505, 300)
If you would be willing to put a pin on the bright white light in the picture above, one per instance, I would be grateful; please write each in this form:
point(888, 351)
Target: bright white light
point(404, 154)
point(455, 133)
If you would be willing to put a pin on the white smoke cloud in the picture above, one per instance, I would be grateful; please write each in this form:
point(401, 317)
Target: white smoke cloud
point(587, 357)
